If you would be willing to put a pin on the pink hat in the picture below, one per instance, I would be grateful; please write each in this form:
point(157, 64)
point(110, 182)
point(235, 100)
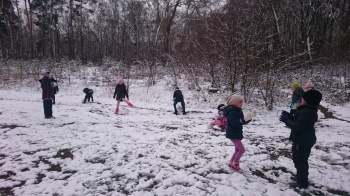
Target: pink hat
point(120, 80)
point(308, 85)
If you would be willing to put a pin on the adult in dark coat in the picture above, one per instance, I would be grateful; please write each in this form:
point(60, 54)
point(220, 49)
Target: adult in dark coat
point(47, 94)
point(120, 93)
point(303, 133)
point(88, 95)
point(178, 97)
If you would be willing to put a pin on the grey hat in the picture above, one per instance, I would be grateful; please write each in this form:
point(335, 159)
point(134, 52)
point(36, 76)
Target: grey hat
point(45, 73)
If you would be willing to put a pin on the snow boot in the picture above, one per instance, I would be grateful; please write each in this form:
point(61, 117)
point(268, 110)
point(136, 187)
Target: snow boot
point(234, 166)
point(130, 105)
point(116, 111)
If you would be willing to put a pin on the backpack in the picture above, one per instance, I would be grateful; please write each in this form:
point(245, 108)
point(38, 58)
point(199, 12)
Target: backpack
point(221, 122)
point(224, 123)
point(223, 118)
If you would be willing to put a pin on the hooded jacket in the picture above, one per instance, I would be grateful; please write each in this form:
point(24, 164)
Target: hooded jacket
point(302, 125)
point(235, 122)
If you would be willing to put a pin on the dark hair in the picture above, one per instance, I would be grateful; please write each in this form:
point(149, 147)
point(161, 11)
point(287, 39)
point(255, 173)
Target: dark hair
point(219, 106)
point(177, 88)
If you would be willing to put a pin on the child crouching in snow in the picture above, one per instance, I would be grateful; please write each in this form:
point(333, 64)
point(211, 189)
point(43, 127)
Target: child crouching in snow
point(234, 131)
point(88, 95)
point(220, 120)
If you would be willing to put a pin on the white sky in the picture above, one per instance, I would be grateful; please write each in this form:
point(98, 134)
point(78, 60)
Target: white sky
point(151, 151)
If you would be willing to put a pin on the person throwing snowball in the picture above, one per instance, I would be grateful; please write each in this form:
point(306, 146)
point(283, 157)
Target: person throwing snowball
point(234, 131)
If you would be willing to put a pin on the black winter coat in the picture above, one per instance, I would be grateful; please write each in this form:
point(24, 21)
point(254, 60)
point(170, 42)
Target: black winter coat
point(235, 122)
point(302, 125)
point(121, 92)
point(48, 91)
point(88, 91)
point(178, 97)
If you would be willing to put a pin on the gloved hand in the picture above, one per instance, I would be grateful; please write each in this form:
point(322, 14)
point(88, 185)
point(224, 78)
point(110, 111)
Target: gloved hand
point(113, 97)
point(286, 113)
point(250, 115)
point(284, 116)
point(291, 105)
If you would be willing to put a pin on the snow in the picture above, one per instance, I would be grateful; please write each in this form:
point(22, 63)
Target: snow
point(87, 150)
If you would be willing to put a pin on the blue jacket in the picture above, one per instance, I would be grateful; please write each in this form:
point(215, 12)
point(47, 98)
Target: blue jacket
point(235, 122)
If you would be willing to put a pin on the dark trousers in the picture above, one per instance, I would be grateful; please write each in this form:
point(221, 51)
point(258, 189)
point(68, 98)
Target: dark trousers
point(182, 104)
point(87, 97)
point(48, 108)
point(301, 155)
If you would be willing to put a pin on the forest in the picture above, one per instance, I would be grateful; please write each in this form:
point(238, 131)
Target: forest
point(251, 45)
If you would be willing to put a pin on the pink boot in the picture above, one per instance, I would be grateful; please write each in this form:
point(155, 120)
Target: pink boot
point(116, 111)
point(130, 105)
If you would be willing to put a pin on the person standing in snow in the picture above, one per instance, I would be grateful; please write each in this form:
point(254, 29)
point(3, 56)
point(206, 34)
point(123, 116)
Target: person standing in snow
point(120, 93)
point(308, 85)
point(296, 97)
point(234, 131)
point(88, 95)
point(47, 94)
point(178, 97)
point(303, 133)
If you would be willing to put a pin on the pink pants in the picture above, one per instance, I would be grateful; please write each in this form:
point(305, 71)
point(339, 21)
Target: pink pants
point(239, 150)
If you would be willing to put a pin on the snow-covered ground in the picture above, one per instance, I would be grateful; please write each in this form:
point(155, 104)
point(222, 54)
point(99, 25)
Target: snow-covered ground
point(87, 150)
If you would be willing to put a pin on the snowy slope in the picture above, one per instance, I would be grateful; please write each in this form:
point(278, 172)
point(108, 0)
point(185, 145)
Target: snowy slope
point(87, 150)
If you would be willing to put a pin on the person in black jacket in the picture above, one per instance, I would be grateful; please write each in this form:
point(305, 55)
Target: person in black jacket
point(88, 95)
point(234, 131)
point(303, 133)
point(178, 97)
point(47, 94)
point(120, 93)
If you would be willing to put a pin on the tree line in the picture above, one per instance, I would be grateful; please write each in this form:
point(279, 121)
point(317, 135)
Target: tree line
point(244, 42)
